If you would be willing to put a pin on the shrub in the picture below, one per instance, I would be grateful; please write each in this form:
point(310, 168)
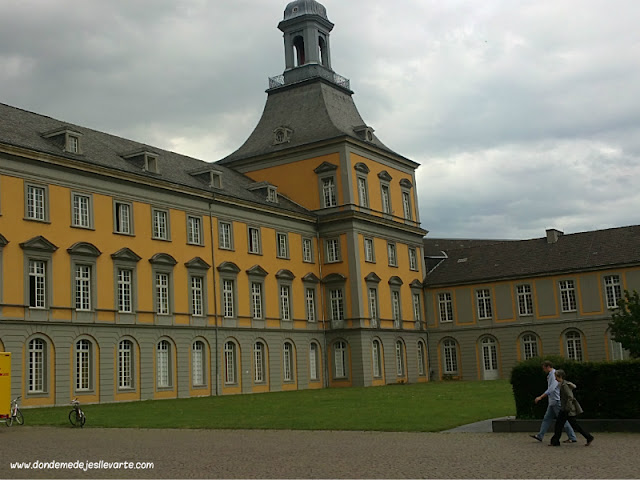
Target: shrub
point(605, 389)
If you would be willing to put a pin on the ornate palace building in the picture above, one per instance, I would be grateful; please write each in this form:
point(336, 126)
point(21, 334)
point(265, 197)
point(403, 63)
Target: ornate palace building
point(129, 272)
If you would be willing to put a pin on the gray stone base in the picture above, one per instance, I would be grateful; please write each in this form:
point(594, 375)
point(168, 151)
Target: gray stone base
point(513, 425)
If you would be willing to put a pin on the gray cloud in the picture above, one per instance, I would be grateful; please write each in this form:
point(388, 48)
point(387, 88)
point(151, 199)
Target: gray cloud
point(524, 115)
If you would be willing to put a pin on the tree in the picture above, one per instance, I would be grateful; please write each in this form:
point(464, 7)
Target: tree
point(625, 323)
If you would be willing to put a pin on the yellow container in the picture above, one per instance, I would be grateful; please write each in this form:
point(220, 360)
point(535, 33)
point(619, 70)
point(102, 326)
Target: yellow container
point(5, 384)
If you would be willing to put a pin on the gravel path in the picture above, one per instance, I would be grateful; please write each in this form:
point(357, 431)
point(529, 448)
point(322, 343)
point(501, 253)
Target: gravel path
point(319, 454)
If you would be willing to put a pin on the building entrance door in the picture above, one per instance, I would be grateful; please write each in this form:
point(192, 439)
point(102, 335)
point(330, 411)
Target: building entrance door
point(490, 359)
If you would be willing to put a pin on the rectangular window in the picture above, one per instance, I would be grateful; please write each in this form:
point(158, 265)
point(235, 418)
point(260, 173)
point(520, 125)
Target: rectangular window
point(197, 296)
point(413, 259)
point(225, 240)
point(406, 205)
point(329, 192)
point(285, 306)
point(125, 357)
point(227, 293)
point(83, 349)
point(124, 290)
point(162, 294)
point(373, 306)
point(36, 208)
point(368, 250)
point(337, 305)
point(160, 224)
point(256, 300)
point(450, 358)
point(81, 210)
point(363, 193)
point(123, 218)
point(73, 144)
point(36, 365)
point(254, 240)
point(445, 307)
point(194, 230)
point(258, 356)
point(530, 344)
point(525, 300)
point(484, 304)
point(283, 245)
point(417, 316)
point(395, 307)
point(37, 283)
point(307, 250)
point(83, 287)
point(197, 363)
point(392, 254)
point(568, 296)
point(310, 296)
point(386, 199)
point(333, 250)
point(613, 290)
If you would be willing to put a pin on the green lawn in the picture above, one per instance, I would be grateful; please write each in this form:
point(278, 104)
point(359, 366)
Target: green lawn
point(418, 407)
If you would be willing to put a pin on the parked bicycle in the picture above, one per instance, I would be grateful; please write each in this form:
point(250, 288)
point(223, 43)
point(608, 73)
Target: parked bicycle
point(15, 415)
point(76, 416)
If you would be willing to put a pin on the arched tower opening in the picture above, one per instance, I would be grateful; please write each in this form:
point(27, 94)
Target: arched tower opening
point(298, 47)
point(323, 54)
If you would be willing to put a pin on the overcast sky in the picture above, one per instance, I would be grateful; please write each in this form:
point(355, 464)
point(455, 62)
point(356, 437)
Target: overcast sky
point(524, 115)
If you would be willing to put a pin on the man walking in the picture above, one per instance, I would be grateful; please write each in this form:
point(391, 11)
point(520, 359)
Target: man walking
point(553, 409)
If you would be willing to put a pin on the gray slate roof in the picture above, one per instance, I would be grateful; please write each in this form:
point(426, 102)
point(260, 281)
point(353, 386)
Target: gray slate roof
point(433, 247)
point(25, 129)
point(518, 259)
point(314, 109)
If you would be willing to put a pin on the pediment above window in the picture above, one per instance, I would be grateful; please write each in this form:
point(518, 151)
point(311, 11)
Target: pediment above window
point(127, 255)
point(257, 270)
point(84, 248)
point(416, 284)
point(384, 175)
point(228, 267)
point(311, 278)
point(39, 243)
point(334, 278)
point(395, 281)
point(325, 167)
point(285, 274)
point(163, 259)
point(372, 277)
point(197, 262)
point(361, 167)
point(3, 241)
point(406, 183)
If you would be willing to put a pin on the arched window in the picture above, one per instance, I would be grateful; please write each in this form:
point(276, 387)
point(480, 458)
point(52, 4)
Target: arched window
point(400, 358)
point(529, 346)
point(450, 357)
point(163, 372)
point(83, 365)
point(287, 362)
point(376, 354)
point(314, 361)
point(422, 363)
point(298, 46)
point(229, 362)
point(37, 365)
point(322, 51)
point(125, 364)
point(574, 345)
point(340, 359)
point(197, 363)
point(258, 362)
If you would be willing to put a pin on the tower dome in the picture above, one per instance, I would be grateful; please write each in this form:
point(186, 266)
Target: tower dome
point(304, 7)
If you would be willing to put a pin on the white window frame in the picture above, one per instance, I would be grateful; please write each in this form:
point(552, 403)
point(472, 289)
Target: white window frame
point(417, 307)
point(333, 250)
point(413, 259)
point(37, 283)
point(81, 216)
point(400, 367)
point(36, 203)
point(123, 217)
point(313, 361)
point(160, 224)
point(83, 348)
point(363, 192)
point(194, 230)
point(329, 196)
point(258, 362)
point(310, 303)
point(163, 364)
point(256, 301)
point(406, 206)
point(197, 363)
point(282, 245)
point(307, 250)
point(392, 254)
point(483, 297)
point(525, 300)
point(573, 342)
point(125, 364)
point(287, 362)
point(336, 299)
point(422, 368)
point(529, 346)
point(197, 295)
point(228, 295)
point(230, 363)
point(340, 359)
point(285, 302)
point(568, 296)
point(163, 292)
point(613, 290)
point(396, 308)
point(82, 290)
point(225, 235)
point(37, 366)
point(373, 306)
point(253, 240)
point(369, 252)
point(376, 358)
point(125, 290)
point(445, 307)
point(450, 357)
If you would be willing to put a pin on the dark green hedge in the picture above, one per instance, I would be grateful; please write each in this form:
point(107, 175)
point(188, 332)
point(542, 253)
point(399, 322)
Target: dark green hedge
point(605, 390)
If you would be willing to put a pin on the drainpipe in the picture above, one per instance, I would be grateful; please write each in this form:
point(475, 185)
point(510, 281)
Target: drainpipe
point(325, 356)
point(215, 297)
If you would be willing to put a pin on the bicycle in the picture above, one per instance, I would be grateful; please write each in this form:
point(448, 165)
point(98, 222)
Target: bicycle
point(76, 416)
point(15, 415)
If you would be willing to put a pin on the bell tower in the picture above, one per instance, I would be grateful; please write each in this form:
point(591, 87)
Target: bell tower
point(306, 31)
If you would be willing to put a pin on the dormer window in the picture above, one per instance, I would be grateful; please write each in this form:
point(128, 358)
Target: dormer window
point(73, 144)
point(364, 132)
point(67, 139)
point(216, 180)
point(282, 135)
point(272, 194)
point(144, 159)
point(151, 164)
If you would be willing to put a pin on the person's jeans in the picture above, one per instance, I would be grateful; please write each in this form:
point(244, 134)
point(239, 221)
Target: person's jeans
point(549, 418)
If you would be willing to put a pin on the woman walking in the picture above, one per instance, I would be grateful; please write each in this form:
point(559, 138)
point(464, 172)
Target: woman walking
point(569, 408)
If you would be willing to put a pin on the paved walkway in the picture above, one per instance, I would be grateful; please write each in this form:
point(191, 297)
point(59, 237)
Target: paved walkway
point(317, 454)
